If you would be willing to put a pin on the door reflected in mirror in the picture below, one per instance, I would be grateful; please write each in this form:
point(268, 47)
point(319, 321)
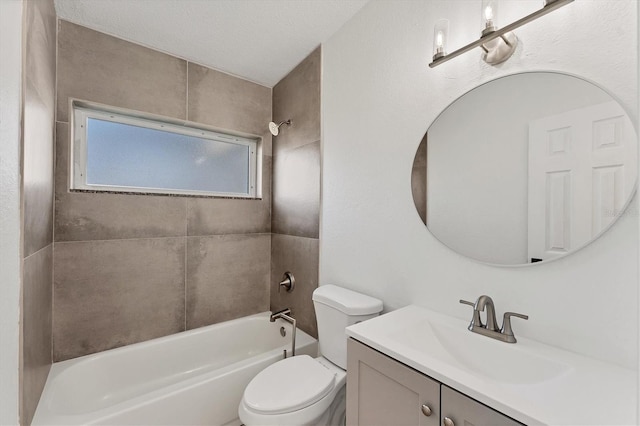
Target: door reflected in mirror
point(526, 168)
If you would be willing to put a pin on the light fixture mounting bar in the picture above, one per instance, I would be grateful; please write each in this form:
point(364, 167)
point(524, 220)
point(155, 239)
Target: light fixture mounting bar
point(550, 6)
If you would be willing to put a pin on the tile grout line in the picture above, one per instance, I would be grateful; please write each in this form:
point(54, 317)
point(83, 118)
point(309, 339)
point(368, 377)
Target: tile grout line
point(169, 237)
point(295, 236)
point(53, 215)
point(38, 251)
point(119, 239)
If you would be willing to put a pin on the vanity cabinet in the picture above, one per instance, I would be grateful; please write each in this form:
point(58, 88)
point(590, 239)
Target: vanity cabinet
point(462, 410)
point(383, 391)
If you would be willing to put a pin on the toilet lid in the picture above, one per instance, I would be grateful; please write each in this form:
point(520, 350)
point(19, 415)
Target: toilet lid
point(288, 385)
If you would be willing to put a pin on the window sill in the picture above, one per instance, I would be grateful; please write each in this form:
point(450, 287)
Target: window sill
point(156, 194)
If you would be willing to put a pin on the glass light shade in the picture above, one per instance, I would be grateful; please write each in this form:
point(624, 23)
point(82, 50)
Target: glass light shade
point(440, 36)
point(489, 14)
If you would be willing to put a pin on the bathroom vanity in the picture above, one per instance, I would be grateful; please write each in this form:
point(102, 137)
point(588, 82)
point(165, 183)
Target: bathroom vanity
point(414, 366)
point(389, 392)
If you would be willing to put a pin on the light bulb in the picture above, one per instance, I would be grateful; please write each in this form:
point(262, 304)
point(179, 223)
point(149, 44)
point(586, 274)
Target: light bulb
point(439, 40)
point(488, 13)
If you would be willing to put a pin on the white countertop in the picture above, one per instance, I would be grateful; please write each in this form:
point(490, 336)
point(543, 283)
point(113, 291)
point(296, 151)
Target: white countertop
point(571, 390)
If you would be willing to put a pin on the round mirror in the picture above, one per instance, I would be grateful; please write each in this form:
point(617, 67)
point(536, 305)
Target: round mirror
point(525, 168)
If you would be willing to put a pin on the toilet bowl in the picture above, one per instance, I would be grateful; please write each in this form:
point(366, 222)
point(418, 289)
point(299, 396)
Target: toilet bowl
point(296, 391)
point(302, 390)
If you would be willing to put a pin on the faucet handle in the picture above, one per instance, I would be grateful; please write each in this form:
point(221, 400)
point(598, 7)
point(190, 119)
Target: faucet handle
point(476, 321)
point(288, 282)
point(506, 322)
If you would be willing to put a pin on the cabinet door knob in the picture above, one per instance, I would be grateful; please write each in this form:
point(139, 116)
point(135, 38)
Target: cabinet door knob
point(448, 422)
point(426, 410)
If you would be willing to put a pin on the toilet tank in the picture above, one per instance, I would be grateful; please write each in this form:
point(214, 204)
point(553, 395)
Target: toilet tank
point(336, 309)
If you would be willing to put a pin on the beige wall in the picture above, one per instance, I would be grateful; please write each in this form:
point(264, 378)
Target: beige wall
point(37, 173)
point(128, 268)
point(296, 189)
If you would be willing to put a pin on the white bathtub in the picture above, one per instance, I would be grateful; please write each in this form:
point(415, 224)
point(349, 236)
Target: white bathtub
point(192, 378)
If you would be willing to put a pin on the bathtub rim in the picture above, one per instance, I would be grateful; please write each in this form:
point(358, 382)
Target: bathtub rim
point(304, 342)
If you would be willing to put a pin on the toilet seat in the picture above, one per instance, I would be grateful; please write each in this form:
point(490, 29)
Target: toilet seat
point(313, 413)
point(289, 385)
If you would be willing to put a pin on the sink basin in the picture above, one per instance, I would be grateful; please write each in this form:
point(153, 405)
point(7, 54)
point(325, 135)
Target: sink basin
point(480, 355)
point(504, 362)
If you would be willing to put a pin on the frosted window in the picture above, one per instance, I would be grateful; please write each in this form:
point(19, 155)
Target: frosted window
point(168, 159)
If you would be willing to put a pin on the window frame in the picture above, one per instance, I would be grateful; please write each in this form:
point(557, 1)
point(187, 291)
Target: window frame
point(81, 112)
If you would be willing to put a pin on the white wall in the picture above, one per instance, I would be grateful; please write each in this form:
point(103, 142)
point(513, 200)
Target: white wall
point(10, 250)
point(638, 217)
point(379, 97)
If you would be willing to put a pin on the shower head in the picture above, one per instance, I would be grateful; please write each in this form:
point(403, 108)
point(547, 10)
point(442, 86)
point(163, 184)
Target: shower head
point(275, 128)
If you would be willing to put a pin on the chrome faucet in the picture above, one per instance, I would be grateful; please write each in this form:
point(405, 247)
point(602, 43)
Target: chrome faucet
point(485, 301)
point(285, 315)
point(490, 329)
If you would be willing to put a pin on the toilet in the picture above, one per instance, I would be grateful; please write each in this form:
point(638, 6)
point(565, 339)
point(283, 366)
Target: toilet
point(302, 390)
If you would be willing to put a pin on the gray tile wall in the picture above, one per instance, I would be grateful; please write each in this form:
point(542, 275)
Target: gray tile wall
point(296, 189)
point(300, 256)
point(36, 329)
point(238, 105)
point(114, 292)
point(95, 67)
point(128, 268)
point(37, 171)
point(215, 289)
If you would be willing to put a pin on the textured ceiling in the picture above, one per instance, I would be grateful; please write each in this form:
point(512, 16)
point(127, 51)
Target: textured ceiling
point(260, 40)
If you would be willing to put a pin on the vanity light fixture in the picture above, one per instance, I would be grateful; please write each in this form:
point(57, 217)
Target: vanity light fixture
point(498, 44)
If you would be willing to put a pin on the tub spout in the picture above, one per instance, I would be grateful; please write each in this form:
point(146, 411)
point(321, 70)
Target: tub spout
point(285, 315)
point(274, 316)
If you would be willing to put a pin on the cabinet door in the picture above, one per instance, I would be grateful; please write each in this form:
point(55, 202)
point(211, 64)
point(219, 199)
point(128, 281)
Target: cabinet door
point(382, 391)
point(464, 411)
